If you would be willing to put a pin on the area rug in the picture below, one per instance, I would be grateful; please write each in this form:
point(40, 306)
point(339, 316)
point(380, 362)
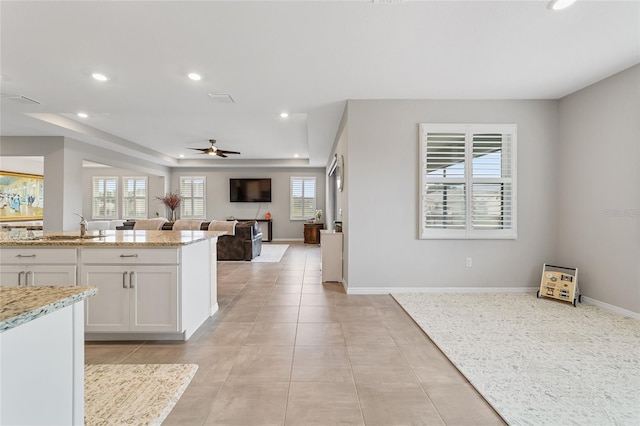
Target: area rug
point(538, 361)
point(133, 394)
point(271, 253)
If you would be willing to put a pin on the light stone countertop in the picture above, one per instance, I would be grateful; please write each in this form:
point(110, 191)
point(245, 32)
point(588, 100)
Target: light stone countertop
point(19, 305)
point(128, 238)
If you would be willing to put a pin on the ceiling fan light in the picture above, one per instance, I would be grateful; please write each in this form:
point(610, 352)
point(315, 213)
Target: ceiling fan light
point(560, 4)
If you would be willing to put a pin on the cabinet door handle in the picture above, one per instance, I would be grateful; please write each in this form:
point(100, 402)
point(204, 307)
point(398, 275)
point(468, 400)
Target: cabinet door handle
point(20, 278)
point(25, 255)
point(128, 255)
point(124, 279)
point(132, 277)
point(26, 280)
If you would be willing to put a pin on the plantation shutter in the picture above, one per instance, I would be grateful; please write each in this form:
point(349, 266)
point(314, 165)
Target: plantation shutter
point(104, 198)
point(192, 191)
point(492, 177)
point(468, 185)
point(134, 197)
point(303, 198)
point(444, 192)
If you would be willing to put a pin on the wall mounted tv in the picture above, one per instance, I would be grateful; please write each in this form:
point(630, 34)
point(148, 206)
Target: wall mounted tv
point(250, 190)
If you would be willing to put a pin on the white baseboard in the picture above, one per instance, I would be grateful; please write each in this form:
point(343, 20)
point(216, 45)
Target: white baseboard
point(611, 308)
point(387, 290)
point(286, 240)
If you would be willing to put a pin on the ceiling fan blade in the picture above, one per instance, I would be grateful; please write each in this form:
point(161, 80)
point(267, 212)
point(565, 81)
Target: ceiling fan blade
point(220, 154)
point(224, 151)
point(203, 150)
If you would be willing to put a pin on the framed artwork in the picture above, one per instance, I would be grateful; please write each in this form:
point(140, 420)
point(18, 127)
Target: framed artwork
point(21, 196)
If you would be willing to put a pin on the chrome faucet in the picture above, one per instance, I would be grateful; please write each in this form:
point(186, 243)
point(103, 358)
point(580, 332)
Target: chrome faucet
point(83, 225)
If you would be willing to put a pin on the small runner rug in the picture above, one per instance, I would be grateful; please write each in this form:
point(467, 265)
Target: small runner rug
point(271, 253)
point(133, 394)
point(538, 361)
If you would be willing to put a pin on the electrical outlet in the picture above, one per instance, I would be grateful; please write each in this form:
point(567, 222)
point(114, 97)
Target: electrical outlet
point(469, 262)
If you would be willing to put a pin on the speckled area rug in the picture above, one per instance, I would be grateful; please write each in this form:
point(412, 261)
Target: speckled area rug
point(271, 253)
point(538, 361)
point(133, 394)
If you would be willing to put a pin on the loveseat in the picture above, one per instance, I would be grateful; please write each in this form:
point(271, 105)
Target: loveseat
point(244, 244)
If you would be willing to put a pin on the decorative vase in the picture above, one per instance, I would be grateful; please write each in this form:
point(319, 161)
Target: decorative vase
point(173, 215)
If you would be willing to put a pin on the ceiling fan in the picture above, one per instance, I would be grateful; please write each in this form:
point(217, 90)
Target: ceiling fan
point(214, 150)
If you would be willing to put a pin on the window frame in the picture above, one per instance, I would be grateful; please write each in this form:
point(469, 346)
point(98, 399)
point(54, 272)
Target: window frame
point(124, 198)
point(189, 200)
point(104, 198)
point(468, 181)
point(305, 215)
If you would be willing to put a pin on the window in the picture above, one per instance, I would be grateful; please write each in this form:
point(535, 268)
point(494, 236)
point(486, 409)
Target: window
point(105, 197)
point(303, 198)
point(192, 192)
point(468, 181)
point(134, 197)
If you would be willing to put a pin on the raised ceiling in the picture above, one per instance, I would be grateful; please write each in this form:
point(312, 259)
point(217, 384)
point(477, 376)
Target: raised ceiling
point(306, 58)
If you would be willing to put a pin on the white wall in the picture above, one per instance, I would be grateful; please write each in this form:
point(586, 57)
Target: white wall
point(599, 188)
point(219, 207)
point(382, 179)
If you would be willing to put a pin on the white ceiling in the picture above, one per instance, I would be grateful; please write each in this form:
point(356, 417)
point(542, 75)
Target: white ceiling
point(303, 57)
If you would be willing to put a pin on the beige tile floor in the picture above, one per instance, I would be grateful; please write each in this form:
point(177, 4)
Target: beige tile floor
point(286, 349)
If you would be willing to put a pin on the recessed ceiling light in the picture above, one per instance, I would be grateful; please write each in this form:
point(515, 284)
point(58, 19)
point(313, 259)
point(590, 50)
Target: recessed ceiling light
point(284, 114)
point(83, 115)
point(194, 76)
point(181, 155)
point(99, 77)
point(296, 155)
point(560, 4)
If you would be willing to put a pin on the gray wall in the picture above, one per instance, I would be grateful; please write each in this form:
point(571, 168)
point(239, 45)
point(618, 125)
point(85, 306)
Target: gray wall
point(219, 207)
point(156, 188)
point(382, 178)
point(599, 188)
point(64, 193)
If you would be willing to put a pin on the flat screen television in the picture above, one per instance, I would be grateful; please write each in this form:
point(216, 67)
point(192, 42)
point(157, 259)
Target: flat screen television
point(250, 190)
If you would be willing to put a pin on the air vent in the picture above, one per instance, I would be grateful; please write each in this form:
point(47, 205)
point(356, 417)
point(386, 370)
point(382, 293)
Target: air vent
point(223, 98)
point(21, 99)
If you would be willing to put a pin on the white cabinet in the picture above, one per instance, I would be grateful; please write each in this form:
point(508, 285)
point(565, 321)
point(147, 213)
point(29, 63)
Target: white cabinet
point(331, 255)
point(38, 267)
point(42, 364)
point(132, 298)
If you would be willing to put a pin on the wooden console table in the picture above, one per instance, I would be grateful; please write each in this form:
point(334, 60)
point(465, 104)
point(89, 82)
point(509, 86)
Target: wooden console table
point(312, 232)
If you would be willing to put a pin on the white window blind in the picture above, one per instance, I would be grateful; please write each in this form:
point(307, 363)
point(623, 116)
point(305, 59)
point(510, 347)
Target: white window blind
point(468, 181)
point(134, 197)
point(104, 196)
point(303, 198)
point(192, 191)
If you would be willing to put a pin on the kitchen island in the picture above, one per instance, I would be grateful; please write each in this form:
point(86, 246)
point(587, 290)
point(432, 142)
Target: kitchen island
point(158, 285)
point(42, 355)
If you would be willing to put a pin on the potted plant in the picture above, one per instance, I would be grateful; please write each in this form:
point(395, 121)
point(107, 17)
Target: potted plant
point(172, 201)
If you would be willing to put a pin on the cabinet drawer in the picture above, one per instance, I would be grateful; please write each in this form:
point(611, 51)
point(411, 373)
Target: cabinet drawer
point(38, 255)
point(129, 256)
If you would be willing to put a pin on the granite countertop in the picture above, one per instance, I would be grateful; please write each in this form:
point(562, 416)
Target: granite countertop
point(19, 305)
point(127, 238)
